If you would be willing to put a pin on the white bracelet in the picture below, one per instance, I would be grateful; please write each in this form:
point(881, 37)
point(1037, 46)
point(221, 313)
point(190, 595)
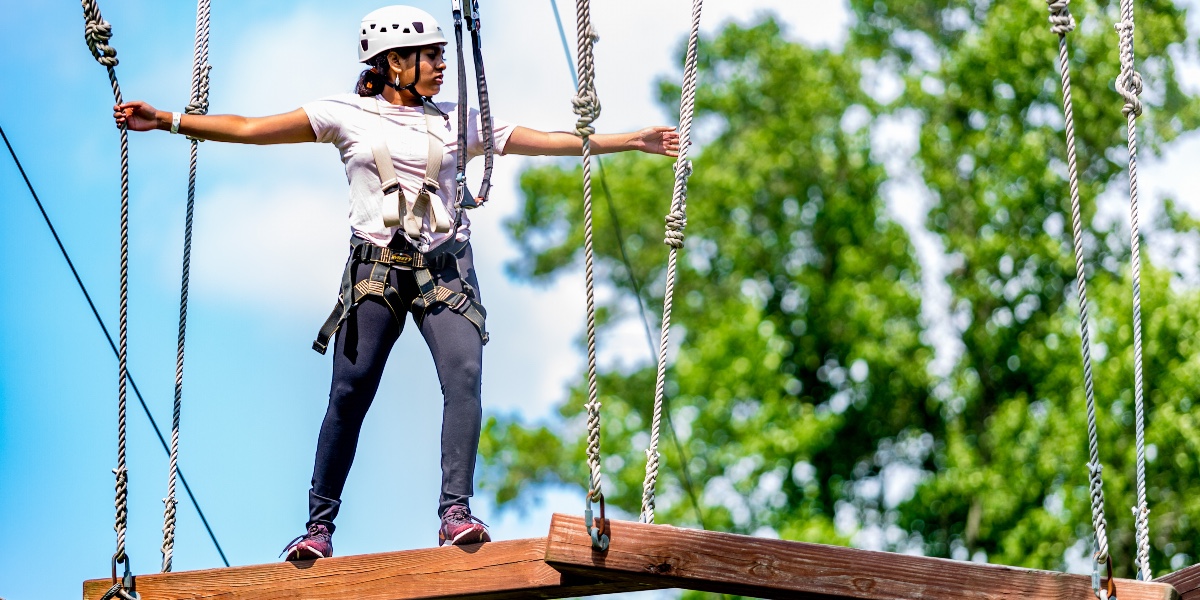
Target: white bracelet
point(175, 117)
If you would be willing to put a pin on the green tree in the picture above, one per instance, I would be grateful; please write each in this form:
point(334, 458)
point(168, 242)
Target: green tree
point(802, 395)
point(797, 301)
point(982, 79)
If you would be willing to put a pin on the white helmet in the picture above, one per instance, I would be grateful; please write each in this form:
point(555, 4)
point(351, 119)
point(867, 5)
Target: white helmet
point(397, 26)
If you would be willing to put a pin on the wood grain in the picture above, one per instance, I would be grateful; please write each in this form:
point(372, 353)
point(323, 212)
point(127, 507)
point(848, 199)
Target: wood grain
point(1186, 581)
point(510, 569)
point(734, 564)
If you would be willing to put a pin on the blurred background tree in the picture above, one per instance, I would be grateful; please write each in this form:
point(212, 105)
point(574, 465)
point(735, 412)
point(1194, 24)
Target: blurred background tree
point(816, 393)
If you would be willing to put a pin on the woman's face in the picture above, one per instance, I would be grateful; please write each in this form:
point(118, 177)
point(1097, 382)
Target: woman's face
point(431, 61)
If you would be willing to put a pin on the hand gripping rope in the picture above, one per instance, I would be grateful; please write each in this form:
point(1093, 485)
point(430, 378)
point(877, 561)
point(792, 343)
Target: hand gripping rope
point(586, 104)
point(197, 106)
point(463, 197)
point(676, 221)
point(97, 33)
point(1129, 85)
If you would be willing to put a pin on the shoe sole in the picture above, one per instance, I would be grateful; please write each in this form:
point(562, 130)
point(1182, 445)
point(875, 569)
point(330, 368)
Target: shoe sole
point(473, 535)
point(308, 554)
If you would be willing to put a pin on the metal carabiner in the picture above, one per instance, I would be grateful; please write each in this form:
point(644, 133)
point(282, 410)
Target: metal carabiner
point(1110, 585)
point(599, 539)
point(126, 587)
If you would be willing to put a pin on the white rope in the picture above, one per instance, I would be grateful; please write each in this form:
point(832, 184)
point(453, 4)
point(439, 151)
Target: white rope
point(676, 221)
point(587, 106)
point(197, 106)
point(1063, 23)
point(97, 33)
point(1129, 85)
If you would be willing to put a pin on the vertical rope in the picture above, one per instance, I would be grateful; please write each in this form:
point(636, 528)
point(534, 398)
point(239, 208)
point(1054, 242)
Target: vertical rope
point(676, 221)
point(197, 106)
point(1063, 23)
point(587, 105)
point(97, 33)
point(1129, 85)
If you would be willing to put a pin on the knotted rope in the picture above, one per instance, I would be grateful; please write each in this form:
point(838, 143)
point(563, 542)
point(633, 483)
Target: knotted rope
point(676, 221)
point(1129, 85)
point(97, 33)
point(1063, 23)
point(197, 106)
point(587, 106)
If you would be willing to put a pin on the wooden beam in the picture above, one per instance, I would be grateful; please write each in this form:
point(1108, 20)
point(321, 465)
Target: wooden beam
point(511, 569)
point(1186, 581)
point(735, 564)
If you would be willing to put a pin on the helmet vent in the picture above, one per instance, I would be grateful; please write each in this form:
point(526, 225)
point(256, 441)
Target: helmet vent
point(364, 45)
point(372, 26)
point(406, 30)
point(364, 32)
point(419, 26)
point(383, 29)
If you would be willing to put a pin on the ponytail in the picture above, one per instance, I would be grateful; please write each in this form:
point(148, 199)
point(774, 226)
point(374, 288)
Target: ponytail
point(371, 81)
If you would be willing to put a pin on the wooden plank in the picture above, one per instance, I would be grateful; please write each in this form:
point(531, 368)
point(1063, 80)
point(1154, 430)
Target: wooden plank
point(1186, 581)
point(735, 564)
point(510, 569)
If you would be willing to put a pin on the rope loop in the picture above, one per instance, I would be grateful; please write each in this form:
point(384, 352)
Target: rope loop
point(1062, 21)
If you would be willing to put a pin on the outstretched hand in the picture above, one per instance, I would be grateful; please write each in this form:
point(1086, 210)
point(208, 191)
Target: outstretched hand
point(136, 115)
point(658, 140)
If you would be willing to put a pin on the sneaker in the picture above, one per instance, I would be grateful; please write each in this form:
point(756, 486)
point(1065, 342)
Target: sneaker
point(317, 543)
point(460, 527)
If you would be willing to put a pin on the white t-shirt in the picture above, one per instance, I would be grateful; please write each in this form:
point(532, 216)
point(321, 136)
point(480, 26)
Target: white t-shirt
point(343, 121)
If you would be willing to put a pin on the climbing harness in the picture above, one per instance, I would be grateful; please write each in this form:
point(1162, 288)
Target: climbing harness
point(676, 221)
point(396, 211)
point(463, 198)
point(197, 106)
point(1129, 85)
point(97, 33)
point(419, 258)
point(587, 105)
point(382, 261)
point(1062, 23)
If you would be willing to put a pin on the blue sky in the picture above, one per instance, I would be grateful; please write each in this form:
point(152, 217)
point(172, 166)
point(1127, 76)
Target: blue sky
point(270, 238)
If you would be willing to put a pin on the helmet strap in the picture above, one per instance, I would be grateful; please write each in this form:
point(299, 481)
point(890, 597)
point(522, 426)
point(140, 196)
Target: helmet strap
point(412, 87)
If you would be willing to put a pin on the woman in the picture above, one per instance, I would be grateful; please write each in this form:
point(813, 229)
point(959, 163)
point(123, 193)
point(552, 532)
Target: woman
point(410, 248)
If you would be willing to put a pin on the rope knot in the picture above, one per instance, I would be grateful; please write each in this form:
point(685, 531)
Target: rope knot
point(1130, 87)
point(1062, 21)
point(676, 222)
point(97, 34)
point(586, 104)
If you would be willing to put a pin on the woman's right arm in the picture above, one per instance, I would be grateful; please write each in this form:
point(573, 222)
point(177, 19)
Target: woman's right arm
point(287, 128)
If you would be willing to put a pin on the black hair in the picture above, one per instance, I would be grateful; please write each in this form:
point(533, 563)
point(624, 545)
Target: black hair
point(371, 81)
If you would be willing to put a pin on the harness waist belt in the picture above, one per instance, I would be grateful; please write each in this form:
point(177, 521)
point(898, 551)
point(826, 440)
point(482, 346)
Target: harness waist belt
point(386, 259)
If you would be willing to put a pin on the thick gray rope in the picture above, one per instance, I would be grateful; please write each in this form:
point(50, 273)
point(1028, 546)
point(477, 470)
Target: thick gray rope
point(197, 106)
point(97, 33)
point(587, 105)
point(676, 221)
point(1129, 85)
point(1063, 23)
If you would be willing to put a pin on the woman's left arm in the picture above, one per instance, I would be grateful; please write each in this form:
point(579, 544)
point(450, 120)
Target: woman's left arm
point(651, 140)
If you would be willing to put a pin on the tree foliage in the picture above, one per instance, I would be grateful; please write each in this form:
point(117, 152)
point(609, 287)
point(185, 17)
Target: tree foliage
point(805, 398)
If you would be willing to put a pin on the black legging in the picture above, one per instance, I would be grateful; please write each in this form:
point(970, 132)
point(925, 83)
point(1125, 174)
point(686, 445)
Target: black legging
point(362, 347)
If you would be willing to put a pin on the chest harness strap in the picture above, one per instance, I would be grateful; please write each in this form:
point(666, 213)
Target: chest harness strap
point(383, 261)
point(396, 211)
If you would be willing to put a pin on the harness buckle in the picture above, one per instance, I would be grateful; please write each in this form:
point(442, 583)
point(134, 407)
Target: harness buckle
point(390, 186)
